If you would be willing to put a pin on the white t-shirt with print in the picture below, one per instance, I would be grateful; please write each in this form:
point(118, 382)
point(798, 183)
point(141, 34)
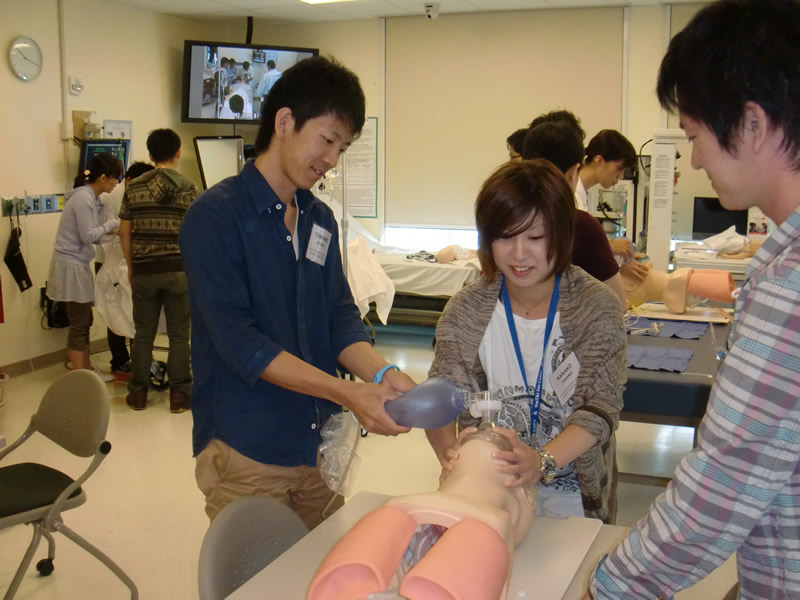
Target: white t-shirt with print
point(561, 497)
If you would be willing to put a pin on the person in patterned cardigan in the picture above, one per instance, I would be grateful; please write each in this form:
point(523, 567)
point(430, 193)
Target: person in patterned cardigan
point(524, 215)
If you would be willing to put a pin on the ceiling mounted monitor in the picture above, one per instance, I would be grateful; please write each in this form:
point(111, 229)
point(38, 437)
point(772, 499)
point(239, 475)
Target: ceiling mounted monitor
point(227, 83)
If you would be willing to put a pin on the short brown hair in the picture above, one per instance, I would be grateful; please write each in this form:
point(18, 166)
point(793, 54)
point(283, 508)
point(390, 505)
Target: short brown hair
point(509, 202)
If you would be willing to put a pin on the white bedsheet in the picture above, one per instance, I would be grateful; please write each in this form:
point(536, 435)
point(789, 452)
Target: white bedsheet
point(424, 278)
point(368, 281)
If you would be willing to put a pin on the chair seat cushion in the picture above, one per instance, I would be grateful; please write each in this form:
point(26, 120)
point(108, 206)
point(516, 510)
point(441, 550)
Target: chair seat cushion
point(27, 486)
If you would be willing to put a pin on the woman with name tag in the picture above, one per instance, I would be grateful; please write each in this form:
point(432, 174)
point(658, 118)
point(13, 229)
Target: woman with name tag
point(543, 337)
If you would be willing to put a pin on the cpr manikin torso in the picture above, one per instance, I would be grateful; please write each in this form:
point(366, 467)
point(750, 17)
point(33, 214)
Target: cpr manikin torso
point(471, 560)
point(674, 288)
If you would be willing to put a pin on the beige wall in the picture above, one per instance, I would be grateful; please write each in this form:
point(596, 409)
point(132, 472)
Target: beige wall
point(648, 40)
point(130, 62)
point(458, 86)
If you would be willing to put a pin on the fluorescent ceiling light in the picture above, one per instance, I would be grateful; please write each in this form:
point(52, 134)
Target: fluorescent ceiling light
point(324, 1)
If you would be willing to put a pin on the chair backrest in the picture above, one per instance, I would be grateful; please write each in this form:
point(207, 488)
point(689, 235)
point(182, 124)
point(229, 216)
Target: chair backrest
point(74, 412)
point(245, 537)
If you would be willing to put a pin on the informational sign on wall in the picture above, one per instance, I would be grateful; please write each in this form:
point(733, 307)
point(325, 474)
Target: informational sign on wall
point(358, 172)
point(659, 220)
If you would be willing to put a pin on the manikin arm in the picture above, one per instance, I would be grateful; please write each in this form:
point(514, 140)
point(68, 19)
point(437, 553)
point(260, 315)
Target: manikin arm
point(674, 288)
point(615, 283)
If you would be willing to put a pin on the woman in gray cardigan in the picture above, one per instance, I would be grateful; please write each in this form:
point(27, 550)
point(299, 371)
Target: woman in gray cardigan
point(531, 303)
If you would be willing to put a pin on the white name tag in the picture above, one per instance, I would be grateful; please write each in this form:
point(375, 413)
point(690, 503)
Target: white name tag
point(318, 245)
point(565, 377)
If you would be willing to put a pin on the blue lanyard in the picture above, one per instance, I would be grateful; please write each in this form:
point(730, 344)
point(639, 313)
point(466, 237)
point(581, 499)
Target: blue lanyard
point(536, 401)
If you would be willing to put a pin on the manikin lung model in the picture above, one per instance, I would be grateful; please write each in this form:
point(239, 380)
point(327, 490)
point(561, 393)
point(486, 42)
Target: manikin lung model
point(479, 518)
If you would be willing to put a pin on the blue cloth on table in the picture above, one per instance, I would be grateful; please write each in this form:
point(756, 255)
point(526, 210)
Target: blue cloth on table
point(687, 330)
point(659, 358)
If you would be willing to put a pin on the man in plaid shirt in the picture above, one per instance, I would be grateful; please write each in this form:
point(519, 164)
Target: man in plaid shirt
point(734, 76)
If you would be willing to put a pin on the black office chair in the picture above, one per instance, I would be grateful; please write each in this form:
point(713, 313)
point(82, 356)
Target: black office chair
point(74, 414)
point(246, 535)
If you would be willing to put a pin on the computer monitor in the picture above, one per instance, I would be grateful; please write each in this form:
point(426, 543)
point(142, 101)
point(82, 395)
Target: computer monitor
point(710, 217)
point(91, 148)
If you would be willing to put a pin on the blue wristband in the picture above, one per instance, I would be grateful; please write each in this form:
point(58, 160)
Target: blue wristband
point(379, 375)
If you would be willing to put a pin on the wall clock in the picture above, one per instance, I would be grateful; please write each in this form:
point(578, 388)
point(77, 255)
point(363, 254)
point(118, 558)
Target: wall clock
point(25, 58)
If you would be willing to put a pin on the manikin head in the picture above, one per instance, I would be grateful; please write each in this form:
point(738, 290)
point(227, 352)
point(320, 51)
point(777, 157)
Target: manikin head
point(474, 474)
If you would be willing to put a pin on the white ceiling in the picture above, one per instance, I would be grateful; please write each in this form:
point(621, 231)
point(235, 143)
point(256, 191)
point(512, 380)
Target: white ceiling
point(287, 11)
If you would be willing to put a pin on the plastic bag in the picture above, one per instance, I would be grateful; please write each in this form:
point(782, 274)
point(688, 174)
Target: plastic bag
point(340, 436)
point(112, 290)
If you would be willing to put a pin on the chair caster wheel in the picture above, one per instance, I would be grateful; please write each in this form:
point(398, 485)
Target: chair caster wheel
point(45, 567)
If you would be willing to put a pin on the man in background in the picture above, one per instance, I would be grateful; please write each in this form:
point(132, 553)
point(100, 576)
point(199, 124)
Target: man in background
point(268, 80)
point(150, 219)
point(622, 248)
point(734, 77)
point(514, 144)
point(560, 143)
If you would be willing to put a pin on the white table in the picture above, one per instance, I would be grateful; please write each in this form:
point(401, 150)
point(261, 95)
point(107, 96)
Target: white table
point(544, 564)
point(554, 560)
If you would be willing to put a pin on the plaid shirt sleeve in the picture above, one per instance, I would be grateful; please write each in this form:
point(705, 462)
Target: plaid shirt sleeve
point(738, 490)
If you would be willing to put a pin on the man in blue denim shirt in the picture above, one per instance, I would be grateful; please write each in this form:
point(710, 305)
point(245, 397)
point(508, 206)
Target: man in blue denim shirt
point(272, 312)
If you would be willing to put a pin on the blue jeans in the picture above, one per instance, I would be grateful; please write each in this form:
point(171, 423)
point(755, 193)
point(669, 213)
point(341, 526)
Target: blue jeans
point(150, 293)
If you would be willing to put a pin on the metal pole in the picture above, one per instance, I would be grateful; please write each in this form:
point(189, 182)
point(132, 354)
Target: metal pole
point(344, 215)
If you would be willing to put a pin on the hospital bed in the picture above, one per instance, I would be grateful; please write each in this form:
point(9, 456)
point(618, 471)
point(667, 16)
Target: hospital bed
point(423, 288)
point(420, 289)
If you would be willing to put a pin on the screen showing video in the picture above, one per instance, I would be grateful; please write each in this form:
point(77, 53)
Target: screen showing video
point(227, 83)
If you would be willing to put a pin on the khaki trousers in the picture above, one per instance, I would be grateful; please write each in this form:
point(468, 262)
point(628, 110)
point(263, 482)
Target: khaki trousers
point(223, 475)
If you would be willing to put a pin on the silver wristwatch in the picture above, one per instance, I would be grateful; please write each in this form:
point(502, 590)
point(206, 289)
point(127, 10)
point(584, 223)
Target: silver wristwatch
point(549, 467)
